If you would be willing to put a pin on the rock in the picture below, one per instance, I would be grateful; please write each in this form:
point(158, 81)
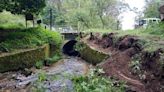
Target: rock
point(59, 86)
point(64, 70)
point(26, 72)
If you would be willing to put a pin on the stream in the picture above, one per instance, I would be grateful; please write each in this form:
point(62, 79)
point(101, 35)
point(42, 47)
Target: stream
point(56, 78)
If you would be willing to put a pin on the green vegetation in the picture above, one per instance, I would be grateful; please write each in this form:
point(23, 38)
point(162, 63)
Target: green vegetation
point(9, 21)
point(84, 14)
point(49, 60)
point(152, 8)
point(95, 82)
point(28, 38)
point(99, 30)
point(38, 86)
point(24, 43)
point(22, 6)
point(41, 76)
point(54, 59)
point(58, 18)
point(39, 64)
point(151, 37)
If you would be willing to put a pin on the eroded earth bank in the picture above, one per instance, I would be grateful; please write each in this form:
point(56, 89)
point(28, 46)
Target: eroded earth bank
point(130, 60)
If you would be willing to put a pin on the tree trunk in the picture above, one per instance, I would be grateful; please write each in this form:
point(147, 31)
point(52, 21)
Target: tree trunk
point(102, 21)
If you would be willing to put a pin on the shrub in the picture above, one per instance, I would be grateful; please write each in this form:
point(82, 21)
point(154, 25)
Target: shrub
point(39, 64)
point(156, 29)
point(95, 82)
point(54, 59)
point(37, 86)
point(29, 38)
point(42, 76)
point(10, 21)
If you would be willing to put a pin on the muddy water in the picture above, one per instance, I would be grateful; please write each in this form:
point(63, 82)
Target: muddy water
point(57, 77)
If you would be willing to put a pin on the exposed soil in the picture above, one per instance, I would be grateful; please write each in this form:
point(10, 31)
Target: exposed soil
point(122, 51)
point(118, 66)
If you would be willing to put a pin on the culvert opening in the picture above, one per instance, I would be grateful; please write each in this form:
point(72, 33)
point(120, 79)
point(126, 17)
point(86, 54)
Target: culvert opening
point(68, 48)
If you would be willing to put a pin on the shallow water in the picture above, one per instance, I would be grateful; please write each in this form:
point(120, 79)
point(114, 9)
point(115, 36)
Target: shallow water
point(58, 77)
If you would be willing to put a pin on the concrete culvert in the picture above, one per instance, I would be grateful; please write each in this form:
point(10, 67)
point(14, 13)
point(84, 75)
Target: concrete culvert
point(69, 50)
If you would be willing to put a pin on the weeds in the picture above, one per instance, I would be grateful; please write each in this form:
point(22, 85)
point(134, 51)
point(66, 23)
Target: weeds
point(39, 64)
point(29, 38)
point(95, 82)
point(38, 85)
point(135, 66)
point(54, 59)
point(41, 76)
point(10, 21)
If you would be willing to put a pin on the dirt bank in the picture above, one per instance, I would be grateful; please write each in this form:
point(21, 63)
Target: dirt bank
point(123, 50)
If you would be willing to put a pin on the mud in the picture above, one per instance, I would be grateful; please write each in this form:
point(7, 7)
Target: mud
point(122, 50)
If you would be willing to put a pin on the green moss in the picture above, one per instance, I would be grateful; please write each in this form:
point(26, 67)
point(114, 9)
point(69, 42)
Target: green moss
point(53, 50)
point(22, 59)
point(91, 55)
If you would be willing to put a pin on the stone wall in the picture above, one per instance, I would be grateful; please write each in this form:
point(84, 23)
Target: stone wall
point(92, 56)
point(23, 58)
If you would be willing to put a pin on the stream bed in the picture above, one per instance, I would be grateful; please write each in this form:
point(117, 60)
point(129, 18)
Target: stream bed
point(56, 78)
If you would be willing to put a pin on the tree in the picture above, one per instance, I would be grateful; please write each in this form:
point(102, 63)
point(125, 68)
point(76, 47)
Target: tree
point(3, 4)
point(58, 17)
point(104, 8)
point(93, 13)
point(151, 9)
point(81, 14)
point(22, 6)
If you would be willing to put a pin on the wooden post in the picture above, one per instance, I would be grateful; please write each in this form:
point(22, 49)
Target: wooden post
point(33, 23)
point(26, 23)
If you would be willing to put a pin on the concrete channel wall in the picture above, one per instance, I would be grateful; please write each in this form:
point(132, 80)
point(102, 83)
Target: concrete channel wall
point(24, 58)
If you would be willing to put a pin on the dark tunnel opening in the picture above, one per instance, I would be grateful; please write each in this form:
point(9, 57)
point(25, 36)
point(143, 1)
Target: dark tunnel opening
point(68, 48)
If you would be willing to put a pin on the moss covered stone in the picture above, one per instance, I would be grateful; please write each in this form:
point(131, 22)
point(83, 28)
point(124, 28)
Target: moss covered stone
point(23, 59)
point(91, 55)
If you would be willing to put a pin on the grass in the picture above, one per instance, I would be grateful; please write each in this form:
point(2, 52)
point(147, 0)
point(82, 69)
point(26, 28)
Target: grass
point(29, 38)
point(98, 30)
point(54, 59)
point(49, 61)
point(150, 35)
